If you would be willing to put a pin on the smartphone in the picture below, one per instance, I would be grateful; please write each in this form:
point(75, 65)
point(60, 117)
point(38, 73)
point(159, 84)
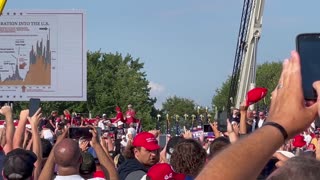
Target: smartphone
point(34, 105)
point(308, 47)
point(80, 132)
point(222, 121)
point(207, 128)
point(162, 140)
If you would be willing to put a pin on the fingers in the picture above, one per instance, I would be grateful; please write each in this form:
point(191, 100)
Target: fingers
point(37, 112)
point(316, 107)
point(280, 164)
point(284, 73)
point(280, 156)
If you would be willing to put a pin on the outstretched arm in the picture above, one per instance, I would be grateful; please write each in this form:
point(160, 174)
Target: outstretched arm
point(36, 143)
point(7, 112)
point(248, 156)
point(109, 168)
point(18, 135)
point(48, 169)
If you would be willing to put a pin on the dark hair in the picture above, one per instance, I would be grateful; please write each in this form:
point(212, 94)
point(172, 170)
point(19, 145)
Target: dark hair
point(188, 157)
point(128, 152)
point(172, 143)
point(217, 145)
point(46, 147)
point(298, 167)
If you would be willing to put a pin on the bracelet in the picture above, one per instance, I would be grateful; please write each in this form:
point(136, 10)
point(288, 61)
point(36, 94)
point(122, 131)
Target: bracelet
point(279, 127)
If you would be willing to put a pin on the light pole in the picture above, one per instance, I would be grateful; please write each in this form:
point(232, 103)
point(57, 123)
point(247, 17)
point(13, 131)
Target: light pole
point(185, 118)
point(167, 115)
point(201, 119)
point(209, 118)
point(193, 117)
point(158, 122)
point(177, 125)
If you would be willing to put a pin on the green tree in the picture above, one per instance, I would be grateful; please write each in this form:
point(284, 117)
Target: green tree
point(178, 106)
point(267, 76)
point(112, 80)
point(220, 99)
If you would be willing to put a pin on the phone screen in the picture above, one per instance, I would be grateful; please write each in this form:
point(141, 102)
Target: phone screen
point(80, 132)
point(207, 128)
point(308, 47)
point(34, 105)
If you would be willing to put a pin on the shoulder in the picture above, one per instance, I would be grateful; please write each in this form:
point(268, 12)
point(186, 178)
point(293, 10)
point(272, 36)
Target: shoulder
point(135, 175)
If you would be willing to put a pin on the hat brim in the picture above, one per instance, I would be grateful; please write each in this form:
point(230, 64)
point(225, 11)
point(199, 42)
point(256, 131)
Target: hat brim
point(299, 144)
point(151, 147)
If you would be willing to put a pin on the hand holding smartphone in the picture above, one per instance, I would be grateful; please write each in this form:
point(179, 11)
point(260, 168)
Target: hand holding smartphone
point(34, 105)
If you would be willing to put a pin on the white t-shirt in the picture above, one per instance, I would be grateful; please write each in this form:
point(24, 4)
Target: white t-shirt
point(75, 177)
point(71, 177)
point(260, 123)
point(101, 125)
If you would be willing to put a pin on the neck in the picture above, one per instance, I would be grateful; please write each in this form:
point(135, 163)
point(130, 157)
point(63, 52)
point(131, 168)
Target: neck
point(67, 171)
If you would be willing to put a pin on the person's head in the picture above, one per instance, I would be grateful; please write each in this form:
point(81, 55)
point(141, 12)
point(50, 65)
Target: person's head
point(18, 164)
point(254, 114)
point(66, 112)
point(249, 114)
point(262, 115)
point(235, 112)
point(298, 167)
point(188, 157)
point(171, 145)
point(146, 149)
point(54, 113)
point(46, 147)
point(120, 124)
point(67, 154)
point(88, 165)
point(217, 145)
point(129, 106)
point(118, 109)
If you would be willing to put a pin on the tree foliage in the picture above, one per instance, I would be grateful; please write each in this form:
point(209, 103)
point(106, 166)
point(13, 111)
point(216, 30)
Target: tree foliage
point(267, 76)
point(176, 108)
point(112, 80)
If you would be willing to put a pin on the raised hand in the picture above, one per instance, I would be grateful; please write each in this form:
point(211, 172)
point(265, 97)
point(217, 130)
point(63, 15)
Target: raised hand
point(6, 110)
point(24, 114)
point(35, 119)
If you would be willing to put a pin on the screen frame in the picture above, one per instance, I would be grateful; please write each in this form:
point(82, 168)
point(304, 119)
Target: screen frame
point(300, 38)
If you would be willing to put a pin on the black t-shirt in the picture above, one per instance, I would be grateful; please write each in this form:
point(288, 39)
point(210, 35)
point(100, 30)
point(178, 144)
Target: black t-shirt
point(120, 133)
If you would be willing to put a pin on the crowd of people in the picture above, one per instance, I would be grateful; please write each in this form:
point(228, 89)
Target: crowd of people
point(280, 144)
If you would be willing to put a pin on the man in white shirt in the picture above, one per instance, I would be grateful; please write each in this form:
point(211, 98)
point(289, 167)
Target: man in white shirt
point(101, 123)
point(262, 118)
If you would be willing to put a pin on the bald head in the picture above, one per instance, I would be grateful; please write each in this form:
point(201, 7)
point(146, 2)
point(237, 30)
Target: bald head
point(67, 153)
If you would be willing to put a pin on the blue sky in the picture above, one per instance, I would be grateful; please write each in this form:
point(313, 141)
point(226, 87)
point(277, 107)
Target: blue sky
point(187, 46)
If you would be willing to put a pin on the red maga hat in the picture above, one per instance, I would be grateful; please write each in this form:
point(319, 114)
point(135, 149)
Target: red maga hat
point(163, 171)
point(255, 95)
point(146, 140)
point(298, 141)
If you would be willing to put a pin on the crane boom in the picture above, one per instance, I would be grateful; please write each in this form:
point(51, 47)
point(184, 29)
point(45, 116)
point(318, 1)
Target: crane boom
point(244, 78)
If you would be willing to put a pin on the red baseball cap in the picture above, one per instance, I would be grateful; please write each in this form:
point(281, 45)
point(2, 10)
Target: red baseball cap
point(163, 171)
point(146, 140)
point(255, 95)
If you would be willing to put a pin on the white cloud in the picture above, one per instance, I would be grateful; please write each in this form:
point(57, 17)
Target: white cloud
point(158, 91)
